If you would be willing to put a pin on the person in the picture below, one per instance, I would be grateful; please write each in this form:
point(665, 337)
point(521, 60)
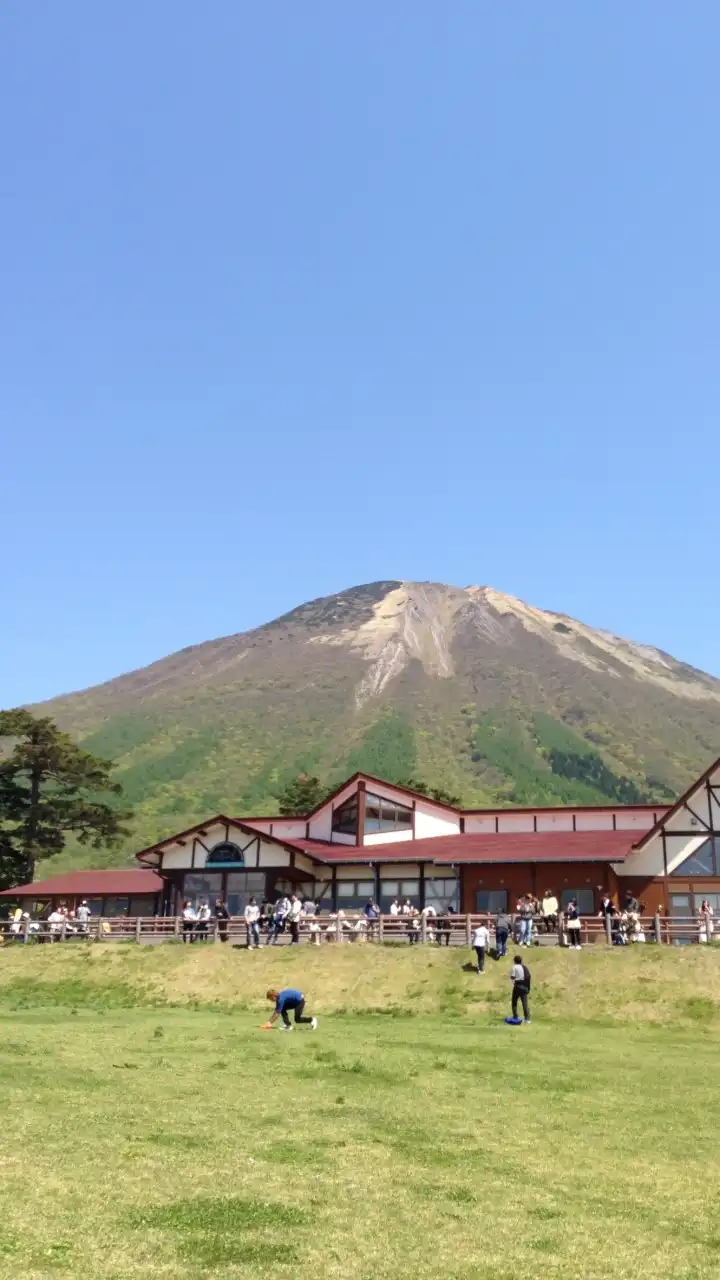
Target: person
point(293, 915)
point(204, 917)
point(266, 915)
point(222, 915)
point(189, 919)
point(395, 908)
point(550, 908)
point(631, 902)
point(521, 980)
point(285, 1001)
point(315, 931)
point(572, 925)
point(526, 911)
point(278, 922)
point(481, 938)
point(308, 908)
point(56, 920)
point(620, 928)
point(503, 925)
point(429, 916)
point(444, 927)
point(252, 915)
point(16, 916)
point(83, 916)
point(705, 922)
point(371, 912)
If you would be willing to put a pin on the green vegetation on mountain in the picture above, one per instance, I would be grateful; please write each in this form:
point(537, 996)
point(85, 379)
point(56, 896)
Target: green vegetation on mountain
point(479, 696)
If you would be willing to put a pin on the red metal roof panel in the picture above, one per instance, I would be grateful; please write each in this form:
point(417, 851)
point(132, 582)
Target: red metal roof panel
point(96, 884)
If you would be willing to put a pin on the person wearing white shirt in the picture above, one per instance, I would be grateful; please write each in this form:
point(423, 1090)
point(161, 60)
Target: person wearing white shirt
point(189, 919)
point(82, 915)
point(252, 916)
point(204, 916)
point(56, 920)
point(395, 908)
point(481, 939)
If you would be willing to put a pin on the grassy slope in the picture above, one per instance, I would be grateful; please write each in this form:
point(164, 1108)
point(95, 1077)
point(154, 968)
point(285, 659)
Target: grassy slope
point(182, 1142)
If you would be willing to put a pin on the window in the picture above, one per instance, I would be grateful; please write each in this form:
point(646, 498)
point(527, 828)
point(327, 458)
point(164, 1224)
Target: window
point(225, 855)
point(116, 906)
point(700, 863)
point(442, 894)
point(202, 888)
point(142, 905)
point(491, 901)
point(344, 819)
point(385, 815)
point(352, 895)
point(584, 900)
point(402, 889)
point(241, 887)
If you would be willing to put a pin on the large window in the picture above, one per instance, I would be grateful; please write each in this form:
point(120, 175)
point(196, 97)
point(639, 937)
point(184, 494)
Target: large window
point(241, 887)
point(584, 900)
point(402, 889)
point(442, 893)
point(491, 901)
point(703, 862)
point(384, 815)
point(344, 819)
point(202, 888)
point(352, 895)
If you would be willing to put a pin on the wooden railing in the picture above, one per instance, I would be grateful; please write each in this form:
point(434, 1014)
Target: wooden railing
point(352, 927)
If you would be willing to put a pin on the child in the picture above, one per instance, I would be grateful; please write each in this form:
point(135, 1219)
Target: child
point(520, 977)
point(481, 938)
point(286, 1000)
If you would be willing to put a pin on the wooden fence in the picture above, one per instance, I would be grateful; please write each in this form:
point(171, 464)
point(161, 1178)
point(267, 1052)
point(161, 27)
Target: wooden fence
point(455, 930)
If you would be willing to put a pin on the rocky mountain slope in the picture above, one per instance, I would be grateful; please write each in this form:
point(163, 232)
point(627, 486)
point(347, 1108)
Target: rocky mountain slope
point(467, 688)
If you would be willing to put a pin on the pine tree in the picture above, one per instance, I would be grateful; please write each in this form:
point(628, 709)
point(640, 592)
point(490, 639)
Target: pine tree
point(49, 788)
point(433, 793)
point(301, 795)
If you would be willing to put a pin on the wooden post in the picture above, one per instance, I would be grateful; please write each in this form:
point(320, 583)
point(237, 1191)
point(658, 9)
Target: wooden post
point(468, 930)
point(339, 929)
point(608, 929)
point(381, 929)
point(63, 930)
point(561, 927)
point(26, 927)
point(138, 928)
point(177, 927)
point(656, 923)
point(423, 928)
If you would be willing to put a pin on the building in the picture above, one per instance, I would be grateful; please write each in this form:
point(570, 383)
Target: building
point(375, 839)
point(136, 892)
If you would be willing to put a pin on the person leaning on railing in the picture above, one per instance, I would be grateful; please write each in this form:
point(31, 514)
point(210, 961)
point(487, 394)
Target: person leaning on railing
point(550, 908)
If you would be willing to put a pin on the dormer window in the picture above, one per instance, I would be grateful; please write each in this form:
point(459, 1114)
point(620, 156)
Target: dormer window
point(345, 819)
point(385, 815)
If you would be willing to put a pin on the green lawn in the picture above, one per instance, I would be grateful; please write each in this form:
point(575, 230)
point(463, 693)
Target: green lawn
point(171, 1141)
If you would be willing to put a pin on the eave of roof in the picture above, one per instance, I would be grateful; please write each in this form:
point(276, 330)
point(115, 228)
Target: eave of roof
point(117, 882)
point(526, 846)
point(677, 806)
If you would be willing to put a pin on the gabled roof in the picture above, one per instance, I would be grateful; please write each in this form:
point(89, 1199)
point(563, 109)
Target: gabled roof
point(91, 884)
point(670, 813)
point(220, 818)
point(381, 782)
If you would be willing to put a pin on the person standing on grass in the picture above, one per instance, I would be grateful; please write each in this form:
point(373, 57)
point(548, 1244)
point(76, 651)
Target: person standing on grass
point(503, 924)
point(520, 977)
point(285, 1001)
point(252, 916)
point(294, 914)
point(481, 939)
point(550, 908)
point(572, 925)
point(189, 919)
point(222, 915)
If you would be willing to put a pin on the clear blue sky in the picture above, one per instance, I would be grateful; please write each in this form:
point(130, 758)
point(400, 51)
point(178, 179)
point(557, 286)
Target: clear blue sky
point(298, 296)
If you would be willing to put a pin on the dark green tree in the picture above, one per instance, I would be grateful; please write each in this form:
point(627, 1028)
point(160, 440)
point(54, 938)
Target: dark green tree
point(433, 793)
point(301, 795)
point(51, 788)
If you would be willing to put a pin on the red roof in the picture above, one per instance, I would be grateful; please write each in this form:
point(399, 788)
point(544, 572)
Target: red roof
point(530, 846)
point(91, 884)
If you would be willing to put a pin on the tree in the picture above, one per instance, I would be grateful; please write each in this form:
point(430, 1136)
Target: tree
point(433, 793)
point(49, 788)
point(301, 795)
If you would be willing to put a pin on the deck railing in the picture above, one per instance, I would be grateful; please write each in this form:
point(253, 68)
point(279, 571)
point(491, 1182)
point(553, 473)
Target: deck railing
point(354, 928)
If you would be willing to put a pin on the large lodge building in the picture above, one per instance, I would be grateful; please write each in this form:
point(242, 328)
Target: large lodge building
point(372, 839)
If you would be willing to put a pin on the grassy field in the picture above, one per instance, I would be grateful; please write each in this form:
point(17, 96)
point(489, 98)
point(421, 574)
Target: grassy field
point(151, 1130)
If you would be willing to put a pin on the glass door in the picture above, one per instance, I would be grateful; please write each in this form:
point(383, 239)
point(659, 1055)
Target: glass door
point(241, 887)
point(681, 909)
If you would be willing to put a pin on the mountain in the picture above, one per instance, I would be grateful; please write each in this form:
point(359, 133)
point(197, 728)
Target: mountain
point(465, 688)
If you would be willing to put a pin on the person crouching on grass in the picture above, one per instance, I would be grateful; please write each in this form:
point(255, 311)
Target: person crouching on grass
point(520, 977)
point(286, 1000)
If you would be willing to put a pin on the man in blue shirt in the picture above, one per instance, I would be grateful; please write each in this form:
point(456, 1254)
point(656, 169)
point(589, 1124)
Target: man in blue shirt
point(285, 1001)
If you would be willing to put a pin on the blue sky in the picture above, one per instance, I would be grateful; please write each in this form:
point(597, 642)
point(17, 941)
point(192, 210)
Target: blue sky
point(298, 296)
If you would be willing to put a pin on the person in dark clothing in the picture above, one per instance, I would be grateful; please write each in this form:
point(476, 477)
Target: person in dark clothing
point(444, 927)
point(520, 975)
point(631, 902)
point(222, 915)
point(284, 1002)
point(502, 932)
